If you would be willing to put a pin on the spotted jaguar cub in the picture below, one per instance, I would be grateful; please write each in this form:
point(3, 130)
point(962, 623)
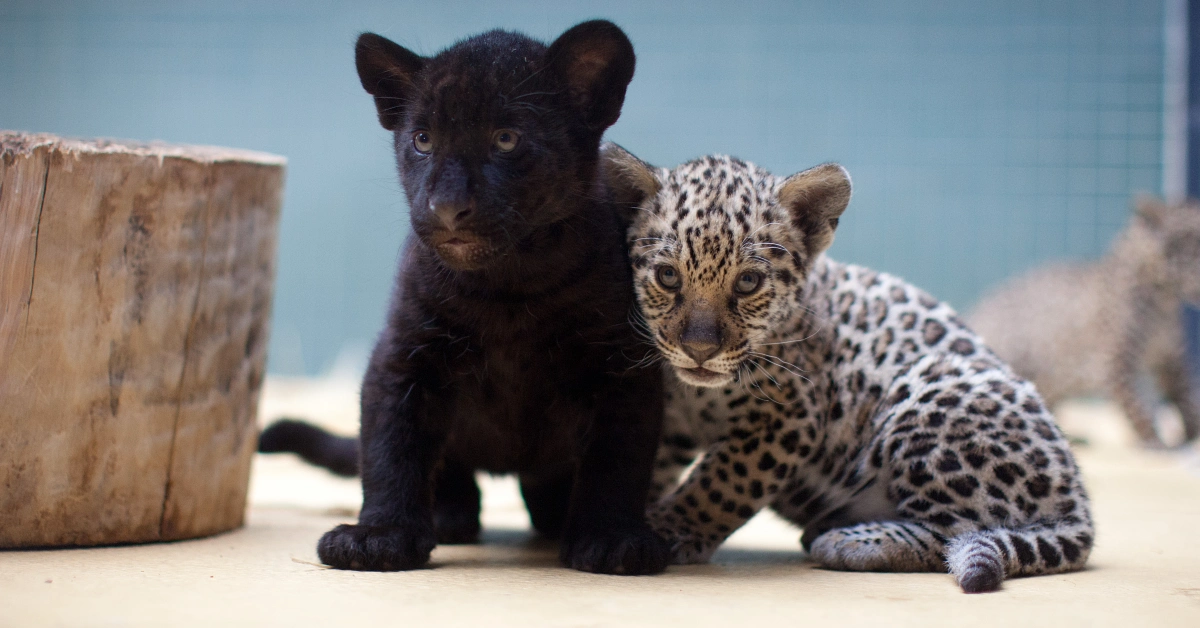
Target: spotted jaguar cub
point(849, 401)
point(1109, 326)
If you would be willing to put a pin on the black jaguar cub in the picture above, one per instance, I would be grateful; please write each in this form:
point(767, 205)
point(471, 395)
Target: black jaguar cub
point(508, 346)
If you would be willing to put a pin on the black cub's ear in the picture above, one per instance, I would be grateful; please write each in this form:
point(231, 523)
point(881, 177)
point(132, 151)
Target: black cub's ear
point(595, 60)
point(815, 199)
point(387, 72)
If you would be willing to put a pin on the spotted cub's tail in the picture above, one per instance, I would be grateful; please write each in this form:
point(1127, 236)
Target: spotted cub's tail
point(338, 454)
point(979, 561)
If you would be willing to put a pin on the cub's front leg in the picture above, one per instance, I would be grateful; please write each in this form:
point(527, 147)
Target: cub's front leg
point(677, 449)
point(734, 480)
point(400, 450)
point(606, 529)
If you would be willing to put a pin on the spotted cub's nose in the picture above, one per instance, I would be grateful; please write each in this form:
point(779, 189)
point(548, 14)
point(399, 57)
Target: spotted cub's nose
point(701, 337)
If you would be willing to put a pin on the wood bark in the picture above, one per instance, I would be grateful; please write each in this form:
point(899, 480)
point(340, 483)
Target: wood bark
point(135, 290)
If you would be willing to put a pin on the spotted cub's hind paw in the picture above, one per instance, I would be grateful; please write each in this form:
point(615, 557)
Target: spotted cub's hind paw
point(843, 551)
point(883, 546)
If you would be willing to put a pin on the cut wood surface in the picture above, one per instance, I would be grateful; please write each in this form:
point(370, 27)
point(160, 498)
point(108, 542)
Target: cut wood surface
point(135, 290)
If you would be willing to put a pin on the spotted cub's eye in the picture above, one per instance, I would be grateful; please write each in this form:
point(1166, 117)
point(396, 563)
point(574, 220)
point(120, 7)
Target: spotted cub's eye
point(505, 140)
point(748, 282)
point(668, 277)
point(422, 142)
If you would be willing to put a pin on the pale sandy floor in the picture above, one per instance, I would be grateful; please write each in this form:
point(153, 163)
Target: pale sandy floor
point(1145, 569)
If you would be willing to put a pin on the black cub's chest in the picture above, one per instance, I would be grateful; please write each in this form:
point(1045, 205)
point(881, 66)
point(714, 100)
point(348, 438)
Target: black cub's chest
point(526, 378)
point(522, 403)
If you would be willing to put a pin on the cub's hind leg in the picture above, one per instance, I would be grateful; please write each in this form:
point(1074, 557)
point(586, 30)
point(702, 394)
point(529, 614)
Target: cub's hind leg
point(1175, 379)
point(456, 505)
point(547, 500)
point(1126, 366)
point(881, 546)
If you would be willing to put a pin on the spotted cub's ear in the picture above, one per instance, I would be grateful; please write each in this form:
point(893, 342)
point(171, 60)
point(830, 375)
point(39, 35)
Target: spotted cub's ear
point(387, 71)
point(815, 199)
point(629, 180)
point(594, 60)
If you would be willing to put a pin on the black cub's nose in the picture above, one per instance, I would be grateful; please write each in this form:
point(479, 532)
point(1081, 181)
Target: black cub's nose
point(451, 214)
point(701, 337)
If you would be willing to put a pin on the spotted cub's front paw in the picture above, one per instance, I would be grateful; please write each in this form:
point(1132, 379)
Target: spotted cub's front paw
point(376, 548)
point(688, 546)
point(691, 550)
point(630, 550)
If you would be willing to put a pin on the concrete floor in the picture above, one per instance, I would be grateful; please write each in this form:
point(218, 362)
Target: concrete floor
point(1145, 569)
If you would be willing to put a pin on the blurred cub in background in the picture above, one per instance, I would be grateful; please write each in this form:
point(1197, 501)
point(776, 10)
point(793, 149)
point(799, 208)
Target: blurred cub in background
point(1112, 327)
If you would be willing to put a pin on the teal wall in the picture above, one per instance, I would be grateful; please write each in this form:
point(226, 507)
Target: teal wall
point(983, 137)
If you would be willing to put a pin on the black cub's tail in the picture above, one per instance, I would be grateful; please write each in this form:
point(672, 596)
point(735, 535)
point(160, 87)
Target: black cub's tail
point(339, 454)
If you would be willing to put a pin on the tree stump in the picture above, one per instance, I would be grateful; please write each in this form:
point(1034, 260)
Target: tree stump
point(135, 290)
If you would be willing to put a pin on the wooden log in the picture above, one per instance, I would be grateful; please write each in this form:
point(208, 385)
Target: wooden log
point(135, 290)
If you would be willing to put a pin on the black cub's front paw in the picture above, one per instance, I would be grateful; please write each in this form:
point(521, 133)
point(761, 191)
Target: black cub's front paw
point(375, 548)
point(631, 550)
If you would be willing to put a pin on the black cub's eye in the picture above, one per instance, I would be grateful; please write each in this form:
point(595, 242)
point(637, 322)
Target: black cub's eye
point(748, 282)
point(668, 277)
point(505, 140)
point(422, 142)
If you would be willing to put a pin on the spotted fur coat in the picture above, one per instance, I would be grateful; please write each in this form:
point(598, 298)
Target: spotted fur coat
point(847, 400)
